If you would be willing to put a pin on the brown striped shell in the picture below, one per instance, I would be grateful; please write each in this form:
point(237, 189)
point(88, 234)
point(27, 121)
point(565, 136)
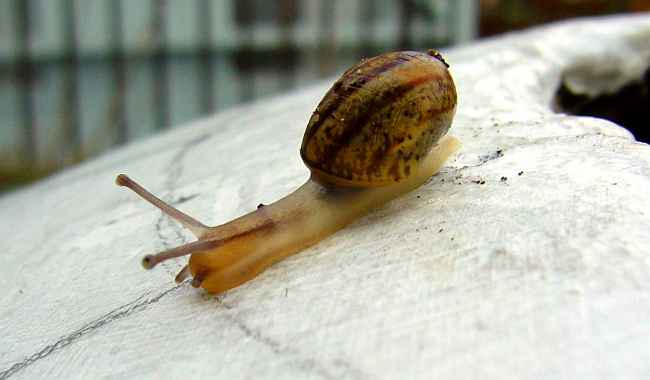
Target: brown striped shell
point(379, 119)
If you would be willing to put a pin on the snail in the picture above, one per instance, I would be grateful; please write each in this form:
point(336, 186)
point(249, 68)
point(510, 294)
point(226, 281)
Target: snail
point(379, 132)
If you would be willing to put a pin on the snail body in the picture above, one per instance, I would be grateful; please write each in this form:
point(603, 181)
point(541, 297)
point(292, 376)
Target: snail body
point(378, 133)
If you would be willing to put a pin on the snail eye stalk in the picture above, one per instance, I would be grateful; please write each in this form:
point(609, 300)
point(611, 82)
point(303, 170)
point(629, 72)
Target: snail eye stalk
point(196, 227)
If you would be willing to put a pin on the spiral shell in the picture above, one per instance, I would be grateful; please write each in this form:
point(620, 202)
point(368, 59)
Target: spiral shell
point(380, 119)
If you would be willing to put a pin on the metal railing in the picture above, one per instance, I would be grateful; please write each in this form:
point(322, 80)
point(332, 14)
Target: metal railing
point(78, 77)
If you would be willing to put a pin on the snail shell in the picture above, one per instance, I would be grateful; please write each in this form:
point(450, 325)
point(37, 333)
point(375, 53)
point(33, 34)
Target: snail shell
point(380, 119)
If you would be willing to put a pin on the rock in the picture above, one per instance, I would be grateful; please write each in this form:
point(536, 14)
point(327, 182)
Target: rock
point(526, 257)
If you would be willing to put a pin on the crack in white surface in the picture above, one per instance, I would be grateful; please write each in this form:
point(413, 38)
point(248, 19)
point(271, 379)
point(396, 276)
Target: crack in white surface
point(112, 316)
point(174, 171)
point(306, 364)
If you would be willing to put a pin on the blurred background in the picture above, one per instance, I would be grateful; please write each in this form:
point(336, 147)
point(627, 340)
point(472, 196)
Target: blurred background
point(78, 77)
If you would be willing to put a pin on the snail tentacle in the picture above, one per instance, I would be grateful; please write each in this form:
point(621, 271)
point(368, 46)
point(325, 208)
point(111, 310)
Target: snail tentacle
point(197, 228)
point(182, 274)
point(150, 261)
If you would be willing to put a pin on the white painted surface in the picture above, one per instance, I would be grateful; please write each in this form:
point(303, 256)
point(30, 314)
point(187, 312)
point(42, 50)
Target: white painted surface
point(545, 275)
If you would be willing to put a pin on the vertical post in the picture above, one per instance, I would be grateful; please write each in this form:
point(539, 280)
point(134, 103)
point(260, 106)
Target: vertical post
point(406, 16)
point(24, 70)
point(326, 37)
point(287, 13)
point(367, 18)
point(205, 77)
point(159, 63)
point(463, 22)
point(245, 51)
point(117, 116)
point(71, 129)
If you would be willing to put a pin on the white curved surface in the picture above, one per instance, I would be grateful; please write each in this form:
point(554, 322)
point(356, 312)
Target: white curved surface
point(543, 275)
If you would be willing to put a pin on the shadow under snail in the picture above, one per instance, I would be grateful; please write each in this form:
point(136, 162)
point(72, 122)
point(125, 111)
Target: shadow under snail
point(379, 132)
